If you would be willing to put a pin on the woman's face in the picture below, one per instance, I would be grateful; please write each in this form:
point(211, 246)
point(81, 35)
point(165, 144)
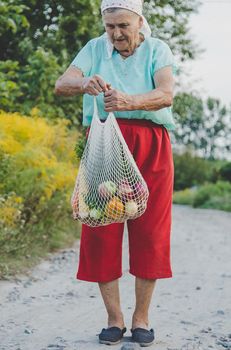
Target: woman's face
point(123, 29)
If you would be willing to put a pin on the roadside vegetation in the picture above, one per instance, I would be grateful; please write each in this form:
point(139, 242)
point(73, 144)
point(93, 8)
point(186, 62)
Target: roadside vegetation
point(38, 167)
point(202, 183)
point(41, 133)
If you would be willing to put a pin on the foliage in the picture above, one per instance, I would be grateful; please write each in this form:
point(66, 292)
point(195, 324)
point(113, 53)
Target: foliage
point(185, 196)
point(169, 22)
point(32, 85)
point(42, 42)
point(39, 39)
point(58, 26)
point(80, 145)
point(12, 17)
point(225, 172)
point(37, 173)
point(9, 89)
point(203, 125)
point(191, 170)
point(214, 196)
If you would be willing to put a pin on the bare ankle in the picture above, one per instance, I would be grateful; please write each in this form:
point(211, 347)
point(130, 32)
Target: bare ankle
point(116, 320)
point(139, 320)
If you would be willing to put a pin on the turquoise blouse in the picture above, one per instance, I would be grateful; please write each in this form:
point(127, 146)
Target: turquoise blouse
point(133, 75)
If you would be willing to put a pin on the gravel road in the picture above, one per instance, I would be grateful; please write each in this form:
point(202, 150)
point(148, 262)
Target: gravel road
point(49, 309)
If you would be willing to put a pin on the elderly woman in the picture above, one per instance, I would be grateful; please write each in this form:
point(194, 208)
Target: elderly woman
point(131, 74)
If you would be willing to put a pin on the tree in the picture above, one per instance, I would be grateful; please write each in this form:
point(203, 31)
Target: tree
point(11, 18)
point(40, 38)
point(216, 136)
point(204, 125)
point(59, 25)
point(169, 21)
point(190, 170)
point(54, 25)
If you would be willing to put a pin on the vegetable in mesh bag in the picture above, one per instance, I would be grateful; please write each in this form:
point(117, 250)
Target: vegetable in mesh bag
point(109, 187)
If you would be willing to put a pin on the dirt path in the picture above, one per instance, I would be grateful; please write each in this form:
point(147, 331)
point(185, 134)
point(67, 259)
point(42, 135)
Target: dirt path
point(51, 310)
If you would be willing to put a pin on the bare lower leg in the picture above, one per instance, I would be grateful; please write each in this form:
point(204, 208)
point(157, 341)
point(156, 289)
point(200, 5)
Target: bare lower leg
point(111, 298)
point(144, 290)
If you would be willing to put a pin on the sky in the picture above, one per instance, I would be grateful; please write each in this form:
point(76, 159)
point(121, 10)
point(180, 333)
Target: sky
point(210, 73)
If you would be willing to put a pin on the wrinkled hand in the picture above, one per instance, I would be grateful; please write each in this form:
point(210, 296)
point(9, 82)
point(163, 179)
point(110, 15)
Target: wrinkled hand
point(94, 85)
point(115, 100)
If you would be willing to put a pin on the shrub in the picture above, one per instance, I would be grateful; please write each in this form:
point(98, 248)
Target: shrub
point(184, 197)
point(225, 172)
point(221, 203)
point(38, 167)
point(214, 195)
point(191, 171)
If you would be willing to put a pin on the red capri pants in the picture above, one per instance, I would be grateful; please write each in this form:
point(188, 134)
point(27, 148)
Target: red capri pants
point(100, 258)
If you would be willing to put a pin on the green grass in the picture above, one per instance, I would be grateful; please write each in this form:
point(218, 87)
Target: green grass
point(184, 197)
point(16, 262)
point(213, 196)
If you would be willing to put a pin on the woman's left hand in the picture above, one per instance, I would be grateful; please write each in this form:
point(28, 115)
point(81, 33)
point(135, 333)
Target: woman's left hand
point(115, 100)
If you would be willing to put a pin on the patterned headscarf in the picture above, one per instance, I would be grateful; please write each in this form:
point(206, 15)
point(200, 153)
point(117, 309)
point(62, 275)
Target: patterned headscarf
point(131, 5)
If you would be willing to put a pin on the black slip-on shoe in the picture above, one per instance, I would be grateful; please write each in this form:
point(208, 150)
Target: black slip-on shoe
point(111, 335)
point(143, 336)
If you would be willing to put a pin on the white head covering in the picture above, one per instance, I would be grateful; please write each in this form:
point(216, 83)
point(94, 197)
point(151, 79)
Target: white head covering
point(131, 5)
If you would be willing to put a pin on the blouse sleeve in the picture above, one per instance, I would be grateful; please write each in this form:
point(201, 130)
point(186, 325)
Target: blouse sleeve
point(83, 60)
point(163, 57)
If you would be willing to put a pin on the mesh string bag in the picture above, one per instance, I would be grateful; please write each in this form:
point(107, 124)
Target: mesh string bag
point(109, 187)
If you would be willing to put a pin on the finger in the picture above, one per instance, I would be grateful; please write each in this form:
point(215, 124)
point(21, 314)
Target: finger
point(108, 99)
point(109, 105)
point(110, 109)
point(111, 102)
point(101, 83)
point(108, 86)
point(96, 92)
point(95, 85)
point(108, 93)
point(93, 91)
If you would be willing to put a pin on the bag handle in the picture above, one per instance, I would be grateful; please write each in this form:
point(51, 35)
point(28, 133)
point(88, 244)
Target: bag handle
point(95, 111)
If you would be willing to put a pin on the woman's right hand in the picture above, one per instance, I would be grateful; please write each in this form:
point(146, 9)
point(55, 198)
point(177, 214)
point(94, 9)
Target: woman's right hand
point(94, 85)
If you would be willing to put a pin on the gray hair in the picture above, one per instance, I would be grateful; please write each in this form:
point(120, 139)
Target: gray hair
point(112, 9)
point(116, 9)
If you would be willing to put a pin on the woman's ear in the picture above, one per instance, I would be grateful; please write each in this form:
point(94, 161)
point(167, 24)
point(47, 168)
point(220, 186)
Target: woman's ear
point(141, 21)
